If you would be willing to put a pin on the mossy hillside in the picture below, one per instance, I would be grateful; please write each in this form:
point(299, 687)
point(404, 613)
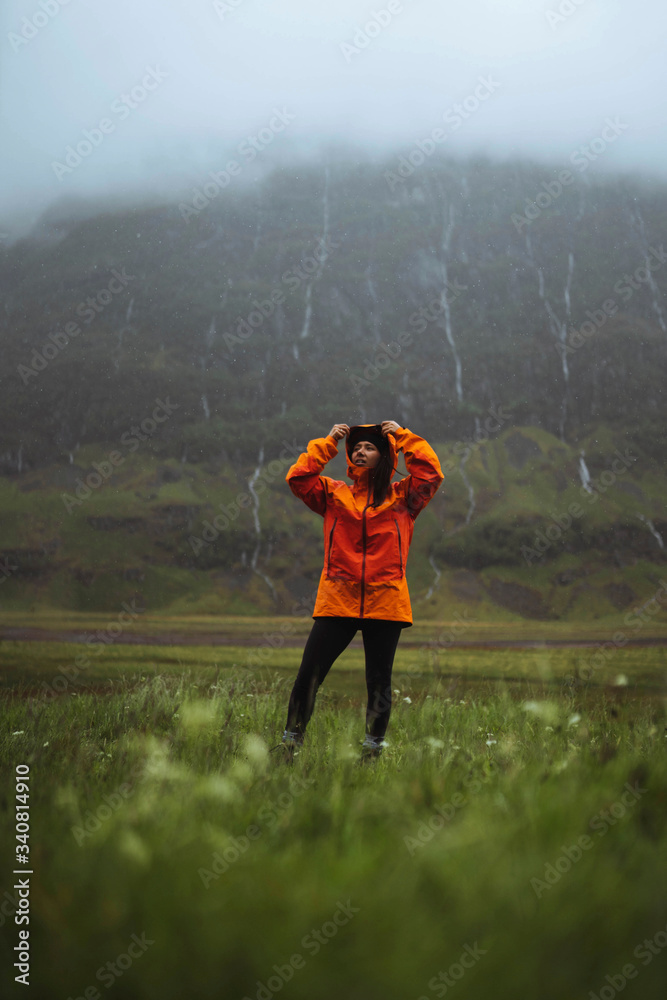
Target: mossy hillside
point(150, 531)
point(523, 494)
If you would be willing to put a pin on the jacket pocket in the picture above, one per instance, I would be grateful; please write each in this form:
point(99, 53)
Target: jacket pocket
point(341, 561)
point(331, 537)
point(400, 546)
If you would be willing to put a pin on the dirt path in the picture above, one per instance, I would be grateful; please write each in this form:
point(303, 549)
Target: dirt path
point(216, 639)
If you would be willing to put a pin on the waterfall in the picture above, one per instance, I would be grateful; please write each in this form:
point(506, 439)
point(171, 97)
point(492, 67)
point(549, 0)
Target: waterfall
point(584, 474)
point(568, 284)
point(322, 257)
point(258, 530)
point(436, 581)
point(375, 319)
point(305, 330)
point(447, 231)
point(558, 328)
point(652, 528)
point(468, 485)
point(210, 335)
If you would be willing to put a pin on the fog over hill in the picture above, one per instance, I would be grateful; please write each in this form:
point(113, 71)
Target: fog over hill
point(152, 96)
point(340, 290)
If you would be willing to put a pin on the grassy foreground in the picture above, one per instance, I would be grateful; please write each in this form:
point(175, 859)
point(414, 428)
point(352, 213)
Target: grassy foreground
point(511, 843)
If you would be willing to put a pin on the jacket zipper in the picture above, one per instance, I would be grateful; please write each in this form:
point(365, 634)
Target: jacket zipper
point(400, 549)
point(363, 561)
point(330, 544)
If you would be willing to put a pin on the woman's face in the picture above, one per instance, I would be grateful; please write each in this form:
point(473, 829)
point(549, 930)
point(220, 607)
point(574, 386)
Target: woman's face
point(365, 455)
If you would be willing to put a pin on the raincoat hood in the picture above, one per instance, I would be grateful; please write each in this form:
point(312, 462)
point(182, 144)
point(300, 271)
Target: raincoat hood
point(358, 472)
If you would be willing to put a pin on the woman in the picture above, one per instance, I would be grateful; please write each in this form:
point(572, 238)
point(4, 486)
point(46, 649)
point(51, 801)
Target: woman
point(367, 532)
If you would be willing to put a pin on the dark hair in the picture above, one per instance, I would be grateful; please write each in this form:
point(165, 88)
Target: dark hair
point(382, 474)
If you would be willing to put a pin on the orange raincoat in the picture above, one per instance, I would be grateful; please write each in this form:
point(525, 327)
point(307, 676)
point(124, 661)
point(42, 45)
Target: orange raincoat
point(365, 547)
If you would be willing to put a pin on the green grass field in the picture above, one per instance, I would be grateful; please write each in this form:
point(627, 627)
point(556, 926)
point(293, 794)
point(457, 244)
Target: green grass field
point(510, 843)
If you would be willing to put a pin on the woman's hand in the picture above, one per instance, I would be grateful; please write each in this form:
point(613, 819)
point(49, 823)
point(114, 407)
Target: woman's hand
point(339, 431)
point(389, 427)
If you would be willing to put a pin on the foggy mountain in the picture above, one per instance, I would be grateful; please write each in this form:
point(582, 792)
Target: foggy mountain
point(164, 365)
point(345, 292)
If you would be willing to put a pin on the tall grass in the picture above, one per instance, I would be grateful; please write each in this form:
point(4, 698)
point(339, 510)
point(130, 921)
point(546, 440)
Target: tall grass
point(158, 810)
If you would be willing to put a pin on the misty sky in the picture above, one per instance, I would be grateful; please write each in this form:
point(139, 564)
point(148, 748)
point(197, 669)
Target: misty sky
point(181, 84)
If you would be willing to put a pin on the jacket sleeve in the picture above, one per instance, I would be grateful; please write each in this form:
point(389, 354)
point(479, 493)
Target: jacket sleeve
point(304, 477)
point(423, 465)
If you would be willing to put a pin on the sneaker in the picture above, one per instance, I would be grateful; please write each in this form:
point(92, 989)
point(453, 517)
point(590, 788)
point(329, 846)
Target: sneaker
point(371, 748)
point(284, 752)
point(289, 746)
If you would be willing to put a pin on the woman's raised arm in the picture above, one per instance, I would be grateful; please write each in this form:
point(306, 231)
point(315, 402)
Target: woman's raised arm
point(304, 477)
point(423, 465)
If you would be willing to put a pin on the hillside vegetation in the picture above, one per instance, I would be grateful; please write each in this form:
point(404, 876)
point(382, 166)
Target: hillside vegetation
point(190, 539)
point(159, 361)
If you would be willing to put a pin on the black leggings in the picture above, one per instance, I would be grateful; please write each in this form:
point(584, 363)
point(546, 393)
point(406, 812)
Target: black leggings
point(327, 640)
